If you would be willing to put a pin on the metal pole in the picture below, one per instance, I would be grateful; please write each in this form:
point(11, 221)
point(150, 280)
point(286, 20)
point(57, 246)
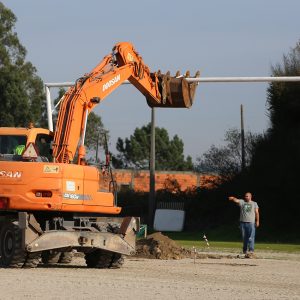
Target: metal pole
point(245, 79)
point(211, 79)
point(60, 84)
point(97, 147)
point(243, 138)
point(152, 171)
point(84, 128)
point(49, 109)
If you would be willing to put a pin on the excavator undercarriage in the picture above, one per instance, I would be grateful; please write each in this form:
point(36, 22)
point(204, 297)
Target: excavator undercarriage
point(25, 242)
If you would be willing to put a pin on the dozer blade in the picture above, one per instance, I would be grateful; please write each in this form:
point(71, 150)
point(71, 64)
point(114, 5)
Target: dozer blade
point(175, 92)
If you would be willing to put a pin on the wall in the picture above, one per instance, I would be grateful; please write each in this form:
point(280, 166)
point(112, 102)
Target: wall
point(138, 180)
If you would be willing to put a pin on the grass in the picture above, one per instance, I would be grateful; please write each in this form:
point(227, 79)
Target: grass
point(226, 241)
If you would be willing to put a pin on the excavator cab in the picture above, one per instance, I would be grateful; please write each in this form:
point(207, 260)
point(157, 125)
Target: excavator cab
point(13, 142)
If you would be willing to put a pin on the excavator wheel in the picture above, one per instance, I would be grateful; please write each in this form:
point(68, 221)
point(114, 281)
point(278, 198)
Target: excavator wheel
point(66, 257)
point(117, 261)
point(50, 257)
point(11, 253)
point(32, 260)
point(103, 259)
point(98, 259)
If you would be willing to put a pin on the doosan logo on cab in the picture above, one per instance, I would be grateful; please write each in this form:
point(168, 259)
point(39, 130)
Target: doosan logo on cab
point(111, 82)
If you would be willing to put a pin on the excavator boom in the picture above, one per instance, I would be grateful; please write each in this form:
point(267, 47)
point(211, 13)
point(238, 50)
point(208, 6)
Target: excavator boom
point(124, 63)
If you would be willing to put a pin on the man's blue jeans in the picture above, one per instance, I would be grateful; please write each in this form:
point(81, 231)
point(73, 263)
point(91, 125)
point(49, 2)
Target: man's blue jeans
point(248, 234)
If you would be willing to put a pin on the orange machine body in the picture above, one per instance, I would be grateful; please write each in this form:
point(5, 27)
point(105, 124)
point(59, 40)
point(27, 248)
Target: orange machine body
point(43, 186)
point(51, 201)
point(48, 186)
point(58, 179)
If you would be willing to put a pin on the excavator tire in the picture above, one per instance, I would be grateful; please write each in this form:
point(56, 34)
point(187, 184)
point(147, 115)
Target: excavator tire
point(50, 257)
point(103, 259)
point(11, 253)
point(99, 259)
point(117, 261)
point(32, 260)
point(66, 257)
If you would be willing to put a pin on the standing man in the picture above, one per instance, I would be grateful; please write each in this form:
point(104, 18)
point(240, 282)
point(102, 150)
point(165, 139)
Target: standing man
point(249, 219)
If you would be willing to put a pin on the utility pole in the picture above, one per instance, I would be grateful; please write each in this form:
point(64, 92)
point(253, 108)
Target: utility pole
point(152, 171)
point(242, 138)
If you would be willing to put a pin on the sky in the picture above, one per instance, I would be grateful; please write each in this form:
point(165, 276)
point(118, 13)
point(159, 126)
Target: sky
point(65, 39)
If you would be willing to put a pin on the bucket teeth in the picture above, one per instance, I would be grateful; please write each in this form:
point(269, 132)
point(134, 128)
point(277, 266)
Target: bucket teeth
point(175, 91)
point(197, 75)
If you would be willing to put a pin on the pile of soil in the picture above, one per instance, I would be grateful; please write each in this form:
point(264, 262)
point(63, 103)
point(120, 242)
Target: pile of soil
point(159, 246)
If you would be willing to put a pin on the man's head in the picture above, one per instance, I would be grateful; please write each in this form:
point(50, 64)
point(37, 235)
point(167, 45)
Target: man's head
point(248, 197)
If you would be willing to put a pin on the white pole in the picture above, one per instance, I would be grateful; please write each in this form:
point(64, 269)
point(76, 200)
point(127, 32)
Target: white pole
point(213, 79)
point(198, 79)
point(84, 128)
point(245, 79)
point(60, 84)
point(49, 109)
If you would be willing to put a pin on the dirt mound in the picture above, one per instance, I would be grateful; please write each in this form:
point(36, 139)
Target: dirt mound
point(159, 246)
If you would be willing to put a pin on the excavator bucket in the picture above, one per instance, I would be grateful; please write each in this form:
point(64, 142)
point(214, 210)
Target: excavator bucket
point(175, 91)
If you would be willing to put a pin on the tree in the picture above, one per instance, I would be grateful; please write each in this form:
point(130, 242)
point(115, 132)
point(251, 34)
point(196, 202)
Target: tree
point(276, 163)
point(226, 160)
point(95, 132)
point(283, 98)
point(21, 90)
point(272, 172)
point(134, 152)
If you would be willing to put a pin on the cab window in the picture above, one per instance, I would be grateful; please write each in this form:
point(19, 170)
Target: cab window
point(12, 144)
point(43, 144)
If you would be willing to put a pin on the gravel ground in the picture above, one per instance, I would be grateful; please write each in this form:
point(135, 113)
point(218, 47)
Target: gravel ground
point(271, 276)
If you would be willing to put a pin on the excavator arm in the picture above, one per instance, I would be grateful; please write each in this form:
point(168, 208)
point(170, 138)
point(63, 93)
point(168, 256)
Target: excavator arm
point(124, 63)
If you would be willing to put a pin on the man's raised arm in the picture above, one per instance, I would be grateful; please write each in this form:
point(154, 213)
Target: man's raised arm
point(234, 199)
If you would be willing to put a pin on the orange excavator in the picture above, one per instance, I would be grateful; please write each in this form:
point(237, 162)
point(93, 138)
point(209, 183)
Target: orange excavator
point(53, 204)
